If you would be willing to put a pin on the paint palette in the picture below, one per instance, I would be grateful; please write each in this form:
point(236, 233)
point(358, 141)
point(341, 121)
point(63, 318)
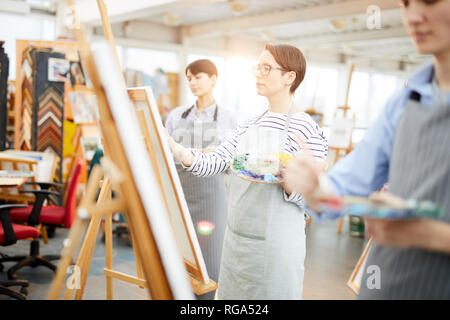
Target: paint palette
point(260, 170)
point(364, 207)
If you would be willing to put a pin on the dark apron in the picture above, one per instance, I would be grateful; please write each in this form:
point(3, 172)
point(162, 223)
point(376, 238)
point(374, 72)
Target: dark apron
point(420, 170)
point(206, 197)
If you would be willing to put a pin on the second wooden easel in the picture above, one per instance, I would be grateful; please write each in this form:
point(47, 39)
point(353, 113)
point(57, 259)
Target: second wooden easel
point(344, 110)
point(163, 285)
point(343, 148)
point(87, 248)
point(85, 255)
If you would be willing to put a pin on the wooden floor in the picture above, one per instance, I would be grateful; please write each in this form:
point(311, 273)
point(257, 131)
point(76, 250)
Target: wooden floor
point(330, 260)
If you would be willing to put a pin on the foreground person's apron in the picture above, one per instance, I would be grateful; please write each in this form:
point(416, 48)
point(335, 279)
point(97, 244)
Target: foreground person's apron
point(420, 170)
point(264, 247)
point(206, 197)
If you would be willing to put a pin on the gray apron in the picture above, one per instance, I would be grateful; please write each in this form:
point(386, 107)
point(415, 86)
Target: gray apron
point(419, 169)
point(205, 197)
point(264, 246)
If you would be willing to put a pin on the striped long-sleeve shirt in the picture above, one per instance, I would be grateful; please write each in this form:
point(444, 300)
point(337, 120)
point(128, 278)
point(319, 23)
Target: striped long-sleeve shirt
point(217, 161)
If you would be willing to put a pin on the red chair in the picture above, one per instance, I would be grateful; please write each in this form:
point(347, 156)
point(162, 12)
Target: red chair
point(55, 216)
point(9, 234)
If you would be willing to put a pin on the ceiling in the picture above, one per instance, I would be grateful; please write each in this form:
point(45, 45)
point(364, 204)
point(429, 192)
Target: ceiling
point(338, 26)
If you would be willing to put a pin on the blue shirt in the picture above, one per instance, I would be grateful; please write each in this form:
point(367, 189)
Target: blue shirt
point(366, 169)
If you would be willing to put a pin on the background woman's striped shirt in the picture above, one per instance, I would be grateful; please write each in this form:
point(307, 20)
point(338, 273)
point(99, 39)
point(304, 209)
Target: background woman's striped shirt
point(301, 124)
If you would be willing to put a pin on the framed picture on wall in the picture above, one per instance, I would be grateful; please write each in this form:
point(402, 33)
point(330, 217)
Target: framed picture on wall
point(83, 104)
point(58, 70)
point(89, 145)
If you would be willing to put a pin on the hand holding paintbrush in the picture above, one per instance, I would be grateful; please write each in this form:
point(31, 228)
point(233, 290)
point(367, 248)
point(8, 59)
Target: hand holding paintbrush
point(305, 175)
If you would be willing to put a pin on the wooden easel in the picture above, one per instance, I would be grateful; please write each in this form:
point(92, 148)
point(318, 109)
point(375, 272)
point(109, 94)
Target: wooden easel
point(344, 109)
point(88, 246)
point(338, 151)
point(128, 201)
point(87, 249)
point(85, 256)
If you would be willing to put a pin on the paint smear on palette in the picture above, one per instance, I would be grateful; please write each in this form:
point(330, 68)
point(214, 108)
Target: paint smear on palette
point(205, 227)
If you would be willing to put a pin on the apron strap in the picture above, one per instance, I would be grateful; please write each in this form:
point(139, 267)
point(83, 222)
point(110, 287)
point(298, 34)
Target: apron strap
point(262, 115)
point(215, 113)
point(186, 113)
point(415, 96)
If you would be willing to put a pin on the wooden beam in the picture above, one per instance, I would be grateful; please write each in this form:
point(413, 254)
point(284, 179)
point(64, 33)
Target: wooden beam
point(285, 17)
point(120, 10)
point(16, 7)
point(349, 37)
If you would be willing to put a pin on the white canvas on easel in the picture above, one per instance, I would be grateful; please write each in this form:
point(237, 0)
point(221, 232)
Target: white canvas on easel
point(341, 133)
point(185, 234)
point(124, 116)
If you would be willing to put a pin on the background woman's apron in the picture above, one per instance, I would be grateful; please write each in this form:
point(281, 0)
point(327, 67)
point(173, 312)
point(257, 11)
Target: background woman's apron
point(420, 170)
point(264, 247)
point(206, 197)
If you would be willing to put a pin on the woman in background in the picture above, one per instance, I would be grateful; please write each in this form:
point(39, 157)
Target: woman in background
point(203, 126)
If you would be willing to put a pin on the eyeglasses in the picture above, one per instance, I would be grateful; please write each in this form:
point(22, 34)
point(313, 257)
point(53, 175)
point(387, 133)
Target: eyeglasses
point(265, 69)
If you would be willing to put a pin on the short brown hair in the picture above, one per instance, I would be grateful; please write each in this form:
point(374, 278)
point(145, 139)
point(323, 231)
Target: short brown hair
point(202, 65)
point(289, 58)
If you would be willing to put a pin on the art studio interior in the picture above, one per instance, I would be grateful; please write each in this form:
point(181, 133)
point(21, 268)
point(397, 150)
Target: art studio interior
point(224, 149)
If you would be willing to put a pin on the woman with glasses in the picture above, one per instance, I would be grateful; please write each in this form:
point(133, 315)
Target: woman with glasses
point(264, 246)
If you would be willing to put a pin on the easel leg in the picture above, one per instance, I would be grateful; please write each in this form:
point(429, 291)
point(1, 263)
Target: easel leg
point(87, 249)
point(140, 275)
point(85, 256)
point(339, 227)
point(108, 249)
point(74, 240)
point(75, 236)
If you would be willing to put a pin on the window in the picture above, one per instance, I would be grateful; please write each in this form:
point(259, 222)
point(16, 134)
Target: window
point(241, 89)
point(360, 96)
point(324, 89)
point(14, 27)
point(147, 60)
point(319, 90)
point(382, 86)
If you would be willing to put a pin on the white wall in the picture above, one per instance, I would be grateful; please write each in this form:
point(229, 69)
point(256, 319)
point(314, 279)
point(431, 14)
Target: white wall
point(16, 27)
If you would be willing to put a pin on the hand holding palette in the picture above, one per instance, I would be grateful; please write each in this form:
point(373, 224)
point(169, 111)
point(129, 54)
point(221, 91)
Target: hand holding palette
point(364, 207)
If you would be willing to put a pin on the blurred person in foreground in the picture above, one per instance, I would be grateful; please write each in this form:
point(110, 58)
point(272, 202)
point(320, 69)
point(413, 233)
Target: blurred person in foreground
point(408, 146)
